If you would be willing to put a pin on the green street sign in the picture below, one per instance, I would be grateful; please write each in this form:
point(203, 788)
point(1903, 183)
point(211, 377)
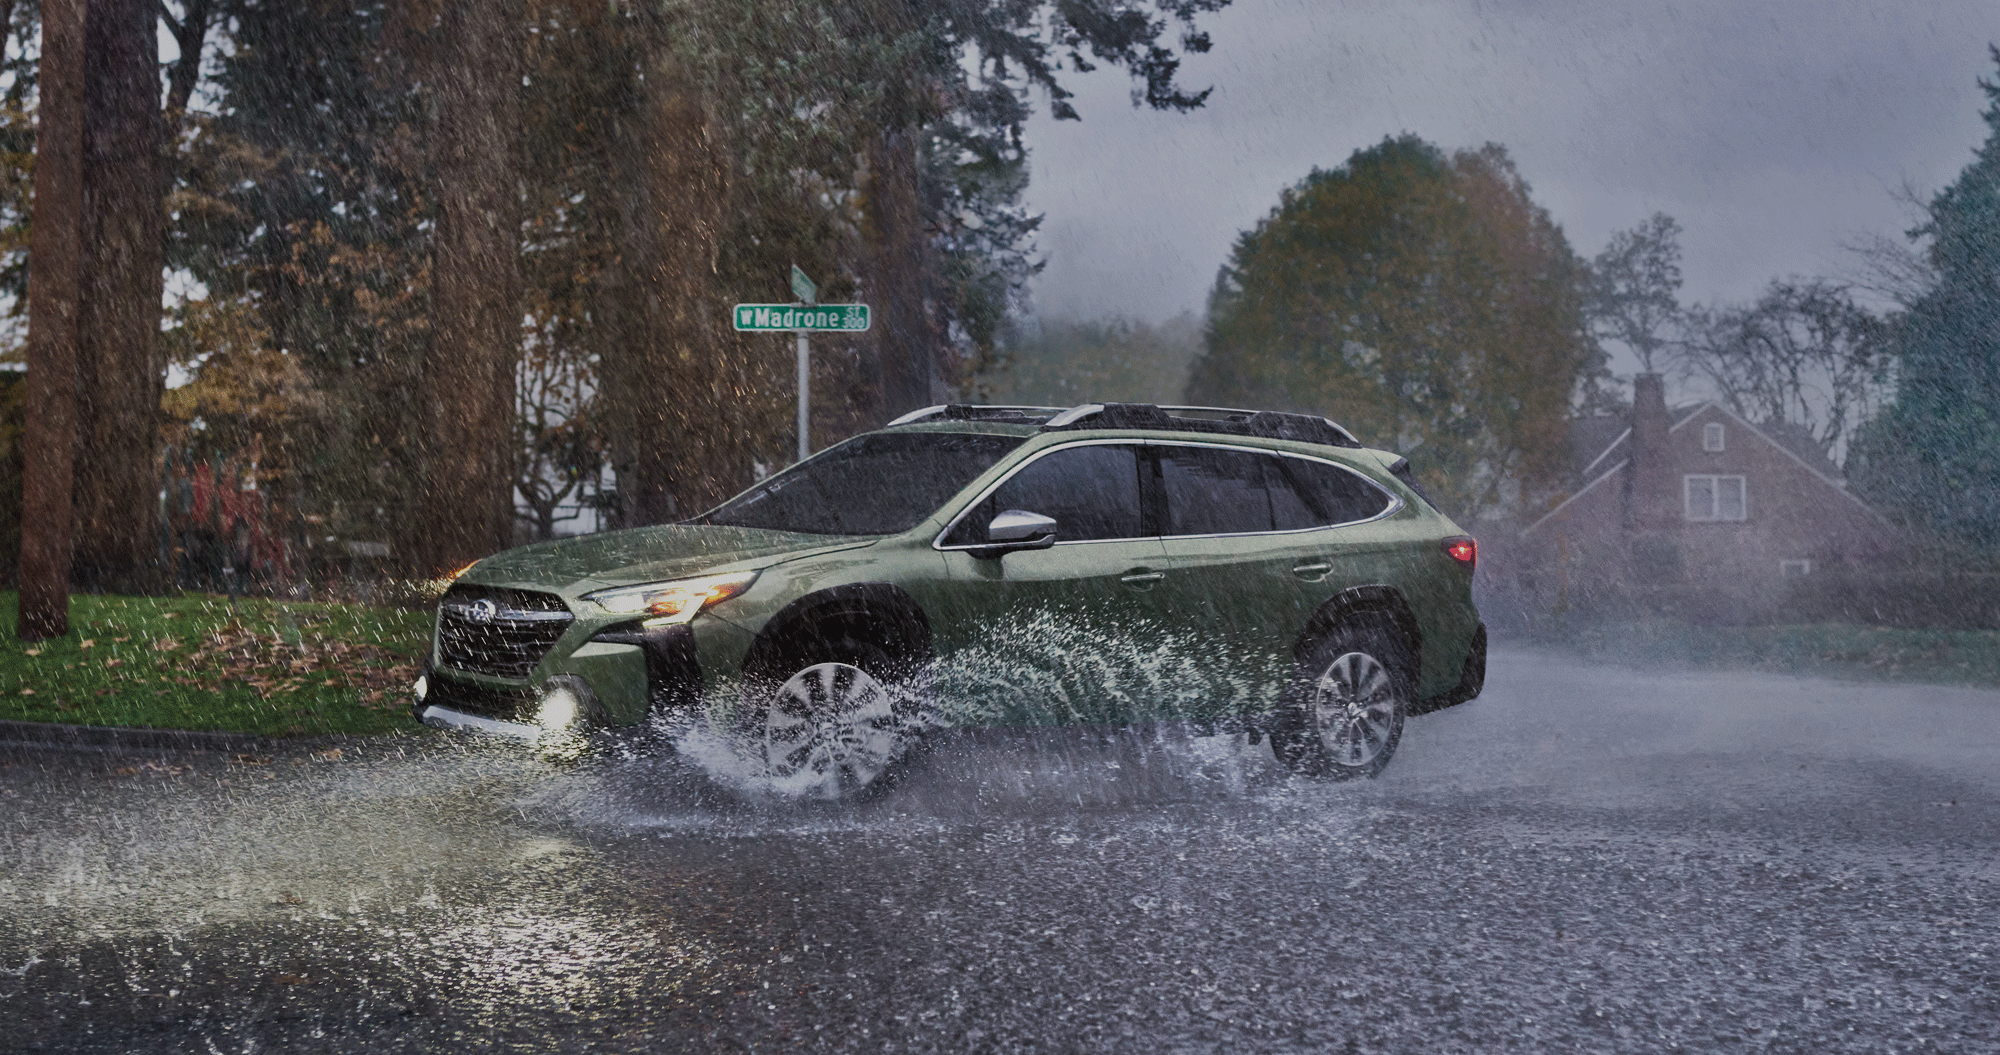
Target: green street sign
point(767, 318)
point(802, 287)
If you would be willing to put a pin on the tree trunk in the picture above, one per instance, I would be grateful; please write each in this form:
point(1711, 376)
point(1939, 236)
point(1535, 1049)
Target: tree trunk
point(54, 267)
point(476, 288)
point(906, 358)
point(670, 391)
point(120, 365)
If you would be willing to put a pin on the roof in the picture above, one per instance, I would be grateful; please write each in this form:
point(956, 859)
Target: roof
point(1605, 440)
point(1794, 440)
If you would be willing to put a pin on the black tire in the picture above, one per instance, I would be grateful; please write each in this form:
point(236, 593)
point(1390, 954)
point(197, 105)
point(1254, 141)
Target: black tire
point(832, 716)
point(1343, 713)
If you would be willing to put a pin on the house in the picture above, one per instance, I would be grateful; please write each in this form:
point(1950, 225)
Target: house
point(1701, 500)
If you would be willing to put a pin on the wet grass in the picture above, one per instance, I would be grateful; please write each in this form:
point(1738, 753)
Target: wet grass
point(202, 662)
point(1833, 650)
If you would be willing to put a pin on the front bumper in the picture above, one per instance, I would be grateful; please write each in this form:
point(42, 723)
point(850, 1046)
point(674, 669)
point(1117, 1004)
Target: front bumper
point(438, 717)
point(630, 672)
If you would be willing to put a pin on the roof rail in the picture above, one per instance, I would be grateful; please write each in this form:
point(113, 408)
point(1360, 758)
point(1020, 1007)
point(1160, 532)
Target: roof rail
point(1265, 424)
point(977, 412)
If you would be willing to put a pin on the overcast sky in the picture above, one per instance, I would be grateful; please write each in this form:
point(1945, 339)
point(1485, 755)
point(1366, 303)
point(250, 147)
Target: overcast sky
point(1773, 131)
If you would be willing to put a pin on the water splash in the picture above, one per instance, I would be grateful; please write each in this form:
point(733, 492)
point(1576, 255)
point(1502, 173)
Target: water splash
point(1073, 700)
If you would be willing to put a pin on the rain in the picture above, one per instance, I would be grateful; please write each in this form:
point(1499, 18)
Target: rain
point(679, 525)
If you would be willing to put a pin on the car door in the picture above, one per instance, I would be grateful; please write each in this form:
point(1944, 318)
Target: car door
point(1056, 635)
point(1256, 541)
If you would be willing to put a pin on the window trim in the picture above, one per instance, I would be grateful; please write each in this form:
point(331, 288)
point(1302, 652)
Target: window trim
point(1715, 502)
point(938, 543)
point(1396, 501)
point(1395, 505)
point(1715, 429)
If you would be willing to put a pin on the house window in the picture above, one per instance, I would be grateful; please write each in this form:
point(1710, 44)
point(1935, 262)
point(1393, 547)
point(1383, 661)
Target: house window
point(1715, 498)
point(1711, 436)
point(1794, 569)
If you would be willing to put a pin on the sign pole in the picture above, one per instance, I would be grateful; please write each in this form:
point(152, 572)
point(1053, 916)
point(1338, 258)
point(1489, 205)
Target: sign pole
point(807, 292)
point(805, 397)
point(801, 316)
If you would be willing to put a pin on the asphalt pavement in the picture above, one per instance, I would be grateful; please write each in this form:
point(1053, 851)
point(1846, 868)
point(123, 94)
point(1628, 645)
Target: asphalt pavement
point(1585, 859)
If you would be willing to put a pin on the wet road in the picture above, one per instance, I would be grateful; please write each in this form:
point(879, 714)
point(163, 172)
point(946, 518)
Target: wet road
point(1586, 859)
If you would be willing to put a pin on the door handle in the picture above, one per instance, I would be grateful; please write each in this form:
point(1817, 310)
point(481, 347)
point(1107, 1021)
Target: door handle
point(1313, 570)
point(1141, 579)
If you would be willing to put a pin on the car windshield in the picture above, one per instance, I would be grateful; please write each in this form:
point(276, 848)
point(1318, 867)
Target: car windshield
point(877, 484)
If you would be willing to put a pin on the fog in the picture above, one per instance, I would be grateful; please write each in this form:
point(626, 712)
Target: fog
point(1775, 131)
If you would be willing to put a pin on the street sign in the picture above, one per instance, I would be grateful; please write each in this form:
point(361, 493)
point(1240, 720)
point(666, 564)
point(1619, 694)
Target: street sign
point(767, 318)
point(802, 287)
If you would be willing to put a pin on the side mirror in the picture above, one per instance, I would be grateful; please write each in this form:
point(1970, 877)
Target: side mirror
point(1017, 529)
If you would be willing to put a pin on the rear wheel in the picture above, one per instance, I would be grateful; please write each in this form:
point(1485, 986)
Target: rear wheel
point(1344, 711)
point(833, 721)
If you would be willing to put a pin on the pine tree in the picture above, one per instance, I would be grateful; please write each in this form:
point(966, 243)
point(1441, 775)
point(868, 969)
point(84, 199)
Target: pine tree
point(1934, 455)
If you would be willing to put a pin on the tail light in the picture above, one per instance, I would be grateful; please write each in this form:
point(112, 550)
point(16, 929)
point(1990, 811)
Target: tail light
point(1463, 549)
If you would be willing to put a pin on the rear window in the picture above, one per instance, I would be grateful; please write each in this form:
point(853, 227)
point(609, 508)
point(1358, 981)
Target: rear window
point(878, 484)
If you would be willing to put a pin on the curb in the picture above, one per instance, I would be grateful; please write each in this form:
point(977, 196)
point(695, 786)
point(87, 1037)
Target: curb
point(100, 738)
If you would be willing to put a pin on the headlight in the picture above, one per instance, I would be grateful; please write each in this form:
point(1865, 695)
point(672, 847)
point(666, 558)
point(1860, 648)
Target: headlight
point(671, 603)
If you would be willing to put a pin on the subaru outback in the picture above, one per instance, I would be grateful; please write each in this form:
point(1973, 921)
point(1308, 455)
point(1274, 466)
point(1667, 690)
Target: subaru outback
point(1107, 564)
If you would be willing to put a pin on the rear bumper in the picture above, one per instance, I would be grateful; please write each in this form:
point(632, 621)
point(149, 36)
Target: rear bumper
point(1471, 678)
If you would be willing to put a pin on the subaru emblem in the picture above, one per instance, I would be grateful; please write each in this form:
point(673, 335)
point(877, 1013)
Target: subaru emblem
point(482, 611)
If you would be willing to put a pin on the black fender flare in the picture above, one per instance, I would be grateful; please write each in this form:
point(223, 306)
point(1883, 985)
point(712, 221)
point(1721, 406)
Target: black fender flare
point(1386, 601)
point(886, 611)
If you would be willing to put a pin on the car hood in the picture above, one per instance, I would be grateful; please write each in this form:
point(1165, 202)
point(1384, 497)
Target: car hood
point(648, 554)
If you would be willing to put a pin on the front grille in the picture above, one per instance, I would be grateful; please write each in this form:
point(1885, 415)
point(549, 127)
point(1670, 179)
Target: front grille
point(499, 632)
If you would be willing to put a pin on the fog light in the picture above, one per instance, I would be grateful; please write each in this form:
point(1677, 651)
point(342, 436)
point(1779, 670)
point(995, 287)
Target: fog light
point(559, 709)
point(422, 688)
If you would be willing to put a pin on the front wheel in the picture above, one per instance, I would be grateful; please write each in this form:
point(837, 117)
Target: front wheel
point(836, 726)
point(1344, 711)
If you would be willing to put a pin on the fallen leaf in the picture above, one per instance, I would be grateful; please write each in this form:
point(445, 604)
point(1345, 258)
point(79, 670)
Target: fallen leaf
point(34, 652)
point(120, 640)
point(27, 692)
point(88, 642)
point(114, 663)
point(329, 754)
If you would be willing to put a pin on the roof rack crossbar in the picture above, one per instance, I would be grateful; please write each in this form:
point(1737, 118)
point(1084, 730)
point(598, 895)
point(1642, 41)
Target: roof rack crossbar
point(1267, 424)
point(975, 412)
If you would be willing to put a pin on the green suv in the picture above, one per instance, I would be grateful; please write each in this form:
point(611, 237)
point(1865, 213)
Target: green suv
point(974, 566)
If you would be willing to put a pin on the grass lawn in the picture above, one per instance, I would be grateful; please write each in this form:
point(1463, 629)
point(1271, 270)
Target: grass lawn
point(1945, 657)
point(198, 661)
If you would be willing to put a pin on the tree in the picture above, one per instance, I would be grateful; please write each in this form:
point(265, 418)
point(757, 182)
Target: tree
point(1934, 454)
point(1634, 289)
point(120, 366)
point(467, 505)
point(54, 280)
point(306, 196)
point(1805, 353)
point(952, 89)
point(1423, 301)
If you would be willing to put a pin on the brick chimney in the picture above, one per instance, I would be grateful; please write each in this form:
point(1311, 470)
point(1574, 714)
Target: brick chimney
point(1652, 498)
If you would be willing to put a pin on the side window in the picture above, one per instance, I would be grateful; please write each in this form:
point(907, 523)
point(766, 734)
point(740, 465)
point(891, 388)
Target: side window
point(1092, 492)
point(1211, 491)
point(1336, 495)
